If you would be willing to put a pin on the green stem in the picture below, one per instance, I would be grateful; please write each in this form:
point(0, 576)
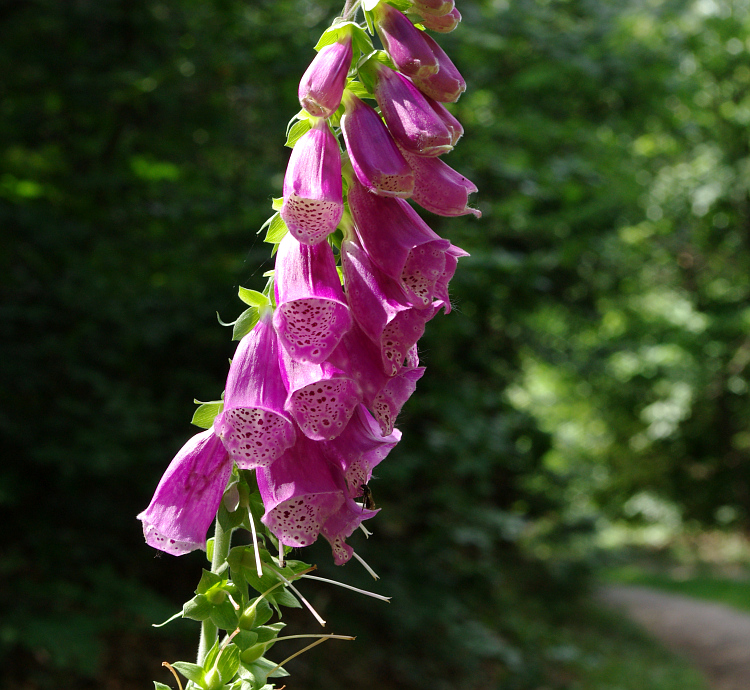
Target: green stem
point(222, 541)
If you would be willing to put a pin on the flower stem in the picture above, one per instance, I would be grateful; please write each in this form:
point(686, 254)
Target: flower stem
point(350, 9)
point(222, 541)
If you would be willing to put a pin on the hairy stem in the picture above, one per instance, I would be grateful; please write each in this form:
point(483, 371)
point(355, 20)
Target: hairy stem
point(222, 541)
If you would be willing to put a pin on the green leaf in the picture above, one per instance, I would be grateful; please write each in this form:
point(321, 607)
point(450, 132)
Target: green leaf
point(197, 609)
point(229, 521)
point(298, 129)
point(253, 298)
point(283, 597)
point(358, 89)
point(264, 667)
point(229, 663)
point(205, 414)
point(161, 686)
point(333, 33)
point(191, 671)
point(245, 638)
point(208, 580)
point(277, 203)
point(276, 230)
point(224, 616)
point(266, 633)
point(369, 5)
point(245, 323)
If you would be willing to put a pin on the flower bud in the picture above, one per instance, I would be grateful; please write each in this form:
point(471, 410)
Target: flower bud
point(247, 618)
point(411, 121)
point(404, 43)
point(447, 85)
point(376, 160)
point(443, 24)
point(435, 8)
point(313, 202)
point(247, 656)
point(323, 82)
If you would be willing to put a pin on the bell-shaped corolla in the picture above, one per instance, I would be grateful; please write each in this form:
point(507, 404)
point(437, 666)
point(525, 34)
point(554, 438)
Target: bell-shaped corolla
point(321, 397)
point(323, 82)
point(433, 8)
point(340, 525)
point(383, 395)
point(188, 495)
point(442, 299)
point(404, 43)
point(439, 188)
point(300, 491)
point(311, 313)
point(399, 242)
point(254, 426)
point(313, 202)
point(380, 307)
point(360, 448)
point(443, 24)
point(449, 119)
point(374, 156)
point(411, 120)
point(447, 85)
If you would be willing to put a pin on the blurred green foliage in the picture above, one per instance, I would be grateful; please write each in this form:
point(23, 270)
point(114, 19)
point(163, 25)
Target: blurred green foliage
point(599, 345)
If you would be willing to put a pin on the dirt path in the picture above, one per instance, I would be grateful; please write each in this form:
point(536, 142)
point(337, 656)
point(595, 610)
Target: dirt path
point(714, 637)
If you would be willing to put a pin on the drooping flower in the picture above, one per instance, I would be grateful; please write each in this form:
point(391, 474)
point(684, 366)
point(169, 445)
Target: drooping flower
point(300, 491)
point(399, 242)
point(443, 24)
point(403, 42)
point(321, 397)
point(323, 82)
point(452, 255)
point(383, 395)
point(380, 307)
point(360, 448)
point(439, 188)
point(340, 525)
point(311, 314)
point(188, 495)
point(376, 160)
point(411, 121)
point(253, 426)
point(451, 122)
point(447, 85)
point(313, 201)
point(434, 8)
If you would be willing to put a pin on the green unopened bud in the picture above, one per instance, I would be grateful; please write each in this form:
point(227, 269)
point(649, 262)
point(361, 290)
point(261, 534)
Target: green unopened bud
point(216, 596)
point(212, 679)
point(247, 619)
point(252, 653)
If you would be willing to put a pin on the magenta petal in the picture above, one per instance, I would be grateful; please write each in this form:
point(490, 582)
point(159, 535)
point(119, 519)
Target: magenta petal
point(300, 491)
point(403, 42)
point(188, 496)
point(323, 82)
point(439, 188)
point(447, 85)
point(449, 120)
point(391, 398)
point(341, 524)
point(443, 24)
point(399, 242)
point(312, 313)
point(254, 427)
point(321, 398)
point(411, 120)
point(376, 160)
point(313, 202)
point(441, 287)
point(380, 307)
point(360, 448)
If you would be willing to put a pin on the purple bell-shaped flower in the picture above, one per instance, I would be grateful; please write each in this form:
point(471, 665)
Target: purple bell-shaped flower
point(399, 242)
point(254, 427)
point(313, 202)
point(188, 495)
point(411, 120)
point(300, 491)
point(311, 314)
point(374, 156)
point(404, 43)
point(439, 188)
point(321, 397)
point(380, 307)
point(447, 85)
point(323, 82)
